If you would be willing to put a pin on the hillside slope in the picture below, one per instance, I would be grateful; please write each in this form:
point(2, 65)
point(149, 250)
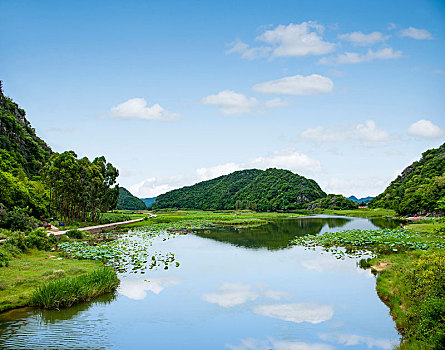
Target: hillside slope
point(272, 189)
point(129, 202)
point(420, 189)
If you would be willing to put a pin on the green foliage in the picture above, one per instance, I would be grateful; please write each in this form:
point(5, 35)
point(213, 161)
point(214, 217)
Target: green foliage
point(270, 190)
point(334, 202)
point(76, 234)
point(127, 201)
point(17, 220)
point(420, 189)
point(65, 292)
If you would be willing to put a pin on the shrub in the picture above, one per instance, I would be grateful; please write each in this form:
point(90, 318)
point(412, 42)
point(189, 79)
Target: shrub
point(76, 234)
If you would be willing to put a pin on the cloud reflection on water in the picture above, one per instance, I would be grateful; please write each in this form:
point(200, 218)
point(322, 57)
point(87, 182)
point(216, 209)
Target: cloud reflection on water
point(297, 312)
point(137, 289)
point(355, 339)
point(255, 344)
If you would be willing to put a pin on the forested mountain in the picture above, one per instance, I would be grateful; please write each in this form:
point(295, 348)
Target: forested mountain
point(420, 189)
point(129, 202)
point(148, 201)
point(333, 201)
point(272, 189)
point(22, 157)
point(364, 200)
point(35, 181)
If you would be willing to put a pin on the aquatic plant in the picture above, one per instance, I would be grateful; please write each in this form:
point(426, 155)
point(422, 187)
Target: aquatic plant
point(67, 291)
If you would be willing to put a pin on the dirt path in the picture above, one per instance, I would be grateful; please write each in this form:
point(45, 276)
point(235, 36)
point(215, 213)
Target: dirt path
point(98, 228)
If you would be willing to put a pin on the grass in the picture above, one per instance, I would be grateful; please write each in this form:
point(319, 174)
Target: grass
point(26, 272)
point(67, 291)
point(362, 212)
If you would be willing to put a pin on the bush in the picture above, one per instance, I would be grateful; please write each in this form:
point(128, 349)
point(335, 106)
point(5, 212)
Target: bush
point(18, 220)
point(5, 256)
point(38, 239)
point(76, 234)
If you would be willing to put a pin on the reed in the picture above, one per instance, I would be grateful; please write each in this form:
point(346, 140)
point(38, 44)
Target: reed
point(67, 291)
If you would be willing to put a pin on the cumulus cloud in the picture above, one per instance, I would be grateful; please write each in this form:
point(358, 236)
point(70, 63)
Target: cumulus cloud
point(216, 171)
point(354, 339)
point(354, 57)
point(230, 102)
point(297, 85)
point(427, 129)
point(415, 33)
point(361, 39)
point(293, 40)
point(154, 186)
point(136, 108)
point(297, 40)
point(298, 312)
point(290, 159)
point(367, 133)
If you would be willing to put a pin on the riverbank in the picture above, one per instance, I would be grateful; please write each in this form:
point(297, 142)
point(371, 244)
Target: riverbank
point(32, 269)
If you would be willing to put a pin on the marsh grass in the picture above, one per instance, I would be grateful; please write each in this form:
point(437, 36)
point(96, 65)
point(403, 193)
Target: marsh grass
point(67, 291)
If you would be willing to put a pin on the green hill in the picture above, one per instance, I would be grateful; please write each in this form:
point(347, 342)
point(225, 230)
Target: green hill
point(269, 190)
point(129, 202)
point(334, 202)
point(22, 157)
point(420, 189)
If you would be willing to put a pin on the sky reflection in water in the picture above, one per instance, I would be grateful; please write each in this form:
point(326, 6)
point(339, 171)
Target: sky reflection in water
point(234, 290)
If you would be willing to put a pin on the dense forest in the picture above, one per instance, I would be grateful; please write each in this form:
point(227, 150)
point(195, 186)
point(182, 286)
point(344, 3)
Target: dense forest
point(269, 190)
point(148, 201)
point(38, 183)
point(420, 189)
point(129, 202)
point(332, 201)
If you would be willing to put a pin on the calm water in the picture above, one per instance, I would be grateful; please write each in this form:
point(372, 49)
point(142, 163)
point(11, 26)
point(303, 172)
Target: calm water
point(235, 289)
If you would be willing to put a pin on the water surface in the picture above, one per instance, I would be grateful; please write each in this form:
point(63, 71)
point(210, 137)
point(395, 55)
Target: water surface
point(235, 289)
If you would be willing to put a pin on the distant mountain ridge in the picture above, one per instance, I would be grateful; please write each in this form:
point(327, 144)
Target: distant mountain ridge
point(262, 190)
point(364, 200)
point(127, 201)
point(149, 201)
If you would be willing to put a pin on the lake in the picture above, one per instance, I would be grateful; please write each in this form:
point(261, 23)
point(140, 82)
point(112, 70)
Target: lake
point(235, 288)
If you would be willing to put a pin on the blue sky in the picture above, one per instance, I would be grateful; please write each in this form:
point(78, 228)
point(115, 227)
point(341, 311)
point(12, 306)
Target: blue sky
point(345, 92)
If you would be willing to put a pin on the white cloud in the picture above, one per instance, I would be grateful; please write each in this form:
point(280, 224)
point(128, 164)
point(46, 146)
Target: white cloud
point(276, 102)
point(290, 159)
point(230, 102)
point(293, 40)
point(354, 57)
point(419, 34)
point(254, 344)
point(361, 186)
point(297, 85)
point(426, 129)
point(137, 290)
point(354, 339)
point(154, 186)
point(231, 294)
point(367, 133)
point(360, 39)
point(297, 40)
point(216, 171)
point(248, 53)
point(298, 312)
point(392, 26)
point(136, 108)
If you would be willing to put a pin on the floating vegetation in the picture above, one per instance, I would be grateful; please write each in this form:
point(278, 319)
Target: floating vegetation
point(365, 242)
point(133, 252)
